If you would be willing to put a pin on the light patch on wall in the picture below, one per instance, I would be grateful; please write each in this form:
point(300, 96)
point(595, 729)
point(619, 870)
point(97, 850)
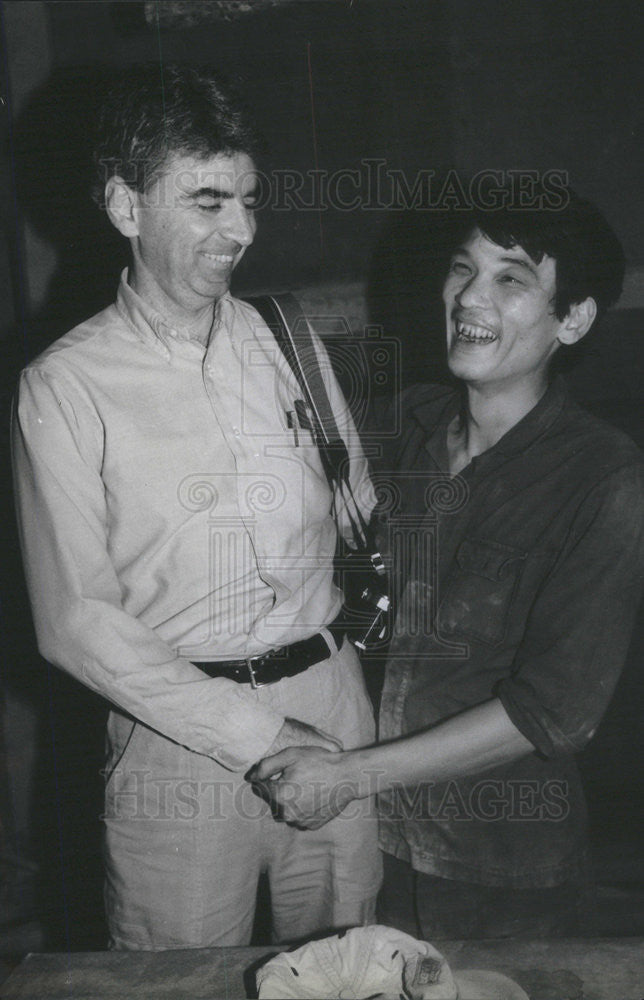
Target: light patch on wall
point(188, 13)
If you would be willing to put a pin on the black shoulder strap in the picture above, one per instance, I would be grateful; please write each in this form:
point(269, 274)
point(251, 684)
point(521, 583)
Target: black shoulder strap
point(289, 325)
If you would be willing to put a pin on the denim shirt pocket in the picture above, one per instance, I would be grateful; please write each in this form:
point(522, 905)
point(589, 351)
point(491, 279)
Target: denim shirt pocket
point(480, 590)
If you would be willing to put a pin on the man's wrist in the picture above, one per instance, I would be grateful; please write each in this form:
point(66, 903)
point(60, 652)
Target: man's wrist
point(358, 772)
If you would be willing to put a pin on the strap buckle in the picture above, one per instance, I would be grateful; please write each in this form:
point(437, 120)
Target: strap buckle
point(254, 683)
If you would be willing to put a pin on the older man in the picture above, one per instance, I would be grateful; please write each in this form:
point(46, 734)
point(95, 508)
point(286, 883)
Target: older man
point(178, 539)
point(516, 613)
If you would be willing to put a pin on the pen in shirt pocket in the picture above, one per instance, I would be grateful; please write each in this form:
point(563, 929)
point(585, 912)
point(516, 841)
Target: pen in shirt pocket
point(290, 423)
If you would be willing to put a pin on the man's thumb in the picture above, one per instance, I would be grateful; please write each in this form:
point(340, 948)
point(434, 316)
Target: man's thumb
point(270, 766)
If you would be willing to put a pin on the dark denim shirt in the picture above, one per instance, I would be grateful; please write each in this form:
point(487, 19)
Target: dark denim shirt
point(519, 579)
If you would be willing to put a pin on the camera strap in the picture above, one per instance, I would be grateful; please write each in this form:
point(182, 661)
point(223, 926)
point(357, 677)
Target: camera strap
point(290, 326)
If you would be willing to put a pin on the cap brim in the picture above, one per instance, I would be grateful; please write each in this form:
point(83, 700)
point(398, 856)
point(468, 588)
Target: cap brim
point(478, 984)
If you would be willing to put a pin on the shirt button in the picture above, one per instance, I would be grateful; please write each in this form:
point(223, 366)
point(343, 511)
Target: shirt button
point(236, 431)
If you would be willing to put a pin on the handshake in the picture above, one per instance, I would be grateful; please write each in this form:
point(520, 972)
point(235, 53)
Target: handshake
point(306, 776)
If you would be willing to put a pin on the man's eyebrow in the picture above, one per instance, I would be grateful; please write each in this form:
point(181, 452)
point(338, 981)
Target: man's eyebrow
point(213, 192)
point(521, 262)
point(208, 192)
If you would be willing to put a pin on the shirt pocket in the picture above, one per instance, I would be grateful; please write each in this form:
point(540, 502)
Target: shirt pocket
point(480, 590)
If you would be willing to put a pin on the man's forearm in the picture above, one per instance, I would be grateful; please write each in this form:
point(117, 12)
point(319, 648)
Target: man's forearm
point(477, 740)
point(310, 786)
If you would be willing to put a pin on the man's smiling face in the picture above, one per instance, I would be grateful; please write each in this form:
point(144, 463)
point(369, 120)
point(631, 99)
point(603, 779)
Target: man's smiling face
point(501, 325)
point(193, 225)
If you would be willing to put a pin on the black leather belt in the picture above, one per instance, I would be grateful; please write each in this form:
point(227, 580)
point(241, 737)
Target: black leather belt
point(277, 663)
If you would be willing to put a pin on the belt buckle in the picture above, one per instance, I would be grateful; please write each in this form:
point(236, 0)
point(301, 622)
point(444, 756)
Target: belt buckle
point(254, 683)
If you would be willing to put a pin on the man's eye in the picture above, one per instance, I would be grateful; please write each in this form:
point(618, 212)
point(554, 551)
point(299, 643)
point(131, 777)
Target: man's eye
point(209, 204)
point(511, 279)
point(459, 267)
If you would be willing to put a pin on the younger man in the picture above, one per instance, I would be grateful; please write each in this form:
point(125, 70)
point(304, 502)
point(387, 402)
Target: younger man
point(511, 634)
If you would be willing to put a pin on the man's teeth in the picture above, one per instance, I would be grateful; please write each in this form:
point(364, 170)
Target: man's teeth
point(221, 258)
point(474, 334)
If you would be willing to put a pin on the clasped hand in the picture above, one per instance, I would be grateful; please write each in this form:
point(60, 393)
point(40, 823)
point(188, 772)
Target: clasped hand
point(306, 785)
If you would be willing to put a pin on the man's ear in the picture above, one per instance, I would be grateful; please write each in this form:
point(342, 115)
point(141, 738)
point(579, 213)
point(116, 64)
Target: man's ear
point(120, 205)
point(578, 321)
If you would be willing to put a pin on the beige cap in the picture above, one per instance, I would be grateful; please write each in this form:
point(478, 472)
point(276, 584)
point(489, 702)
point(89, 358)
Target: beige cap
point(376, 961)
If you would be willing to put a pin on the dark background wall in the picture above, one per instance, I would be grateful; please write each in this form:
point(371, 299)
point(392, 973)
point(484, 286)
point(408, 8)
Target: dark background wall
point(475, 84)
point(413, 86)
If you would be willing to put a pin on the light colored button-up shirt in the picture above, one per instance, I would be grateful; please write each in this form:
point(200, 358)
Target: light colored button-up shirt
point(172, 509)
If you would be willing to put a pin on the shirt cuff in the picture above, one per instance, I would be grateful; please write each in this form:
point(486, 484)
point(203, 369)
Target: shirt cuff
point(254, 739)
point(525, 715)
point(528, 713)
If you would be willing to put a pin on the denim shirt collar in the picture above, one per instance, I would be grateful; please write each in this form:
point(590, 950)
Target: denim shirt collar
point(518, 439)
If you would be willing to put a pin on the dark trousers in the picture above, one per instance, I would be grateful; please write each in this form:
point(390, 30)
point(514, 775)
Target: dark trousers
point(432, 908)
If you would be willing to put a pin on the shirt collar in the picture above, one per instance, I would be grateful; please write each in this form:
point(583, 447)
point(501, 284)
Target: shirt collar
point(516, 440)
point(536, 421)
point(434, 416)
point(148, 324)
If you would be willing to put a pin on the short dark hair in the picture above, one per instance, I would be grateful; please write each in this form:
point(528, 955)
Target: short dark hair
point(588, 256)
point(158, 110)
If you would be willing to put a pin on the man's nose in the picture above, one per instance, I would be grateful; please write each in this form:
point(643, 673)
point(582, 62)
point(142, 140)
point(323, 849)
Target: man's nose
point(472, 292)
point(238, 223)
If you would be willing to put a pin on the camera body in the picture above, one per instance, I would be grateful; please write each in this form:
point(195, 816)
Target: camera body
point(367, 605)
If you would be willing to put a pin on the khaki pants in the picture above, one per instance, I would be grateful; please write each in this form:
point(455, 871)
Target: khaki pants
point(186, 840)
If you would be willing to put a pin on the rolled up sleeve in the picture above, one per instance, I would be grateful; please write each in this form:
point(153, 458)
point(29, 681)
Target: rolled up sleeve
point(76, 598)
point(580, 624)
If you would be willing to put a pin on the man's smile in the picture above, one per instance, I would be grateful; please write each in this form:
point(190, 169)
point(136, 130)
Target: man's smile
point(473, 333)
point(220, 258)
